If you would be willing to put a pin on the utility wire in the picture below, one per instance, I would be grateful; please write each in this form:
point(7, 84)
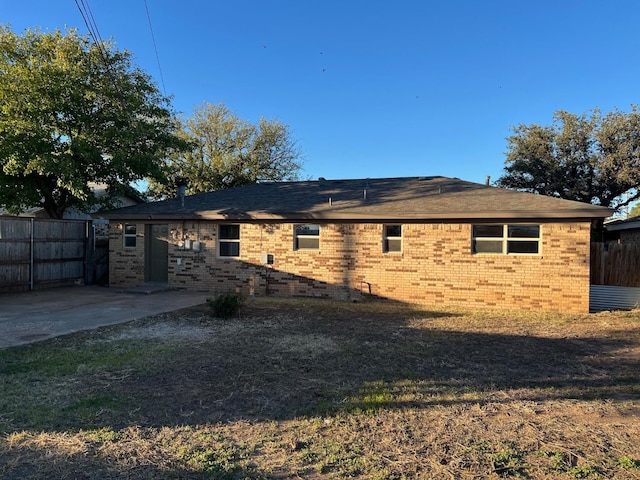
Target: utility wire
point(155, 47)
point(94, 33)
point(89, 20)
point(92, 27)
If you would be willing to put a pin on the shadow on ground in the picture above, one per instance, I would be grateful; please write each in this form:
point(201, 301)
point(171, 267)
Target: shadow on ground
point(272, 364)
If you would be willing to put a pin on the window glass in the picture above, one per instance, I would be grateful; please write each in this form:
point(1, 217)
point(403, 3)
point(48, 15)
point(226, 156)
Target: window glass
point(307, 237)
point(130, 231)
point(310, 243)
point(487, 246)
point(514, 239)
point(394, 230)
point(229, 249)
point(230, 232)
point(229, 240)
point(308, 229)
point(393, 238)
point(524, 231)
point(393, 245)
point(522, 247)
point(488, 230)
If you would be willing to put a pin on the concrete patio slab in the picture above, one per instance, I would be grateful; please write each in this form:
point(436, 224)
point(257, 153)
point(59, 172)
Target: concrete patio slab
point(32, 316)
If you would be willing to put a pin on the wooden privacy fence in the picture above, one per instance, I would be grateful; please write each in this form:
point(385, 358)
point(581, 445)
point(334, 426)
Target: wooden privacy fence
point(615, 264)
point(40, 253)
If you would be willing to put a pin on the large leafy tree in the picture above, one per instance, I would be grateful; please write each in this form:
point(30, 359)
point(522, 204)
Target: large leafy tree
point(74, 113)
point(229, 152)
point(589, 158)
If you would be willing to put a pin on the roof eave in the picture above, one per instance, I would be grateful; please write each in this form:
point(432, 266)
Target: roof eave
point(577, 214)
point(623, 226)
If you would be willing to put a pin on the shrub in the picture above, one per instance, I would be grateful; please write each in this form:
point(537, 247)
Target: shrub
point(629, 463)
point(226, 305)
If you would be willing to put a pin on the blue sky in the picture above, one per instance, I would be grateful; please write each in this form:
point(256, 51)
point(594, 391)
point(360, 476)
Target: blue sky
point(377, 88)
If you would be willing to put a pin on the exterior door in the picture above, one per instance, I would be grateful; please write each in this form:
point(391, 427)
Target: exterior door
point(157, 257)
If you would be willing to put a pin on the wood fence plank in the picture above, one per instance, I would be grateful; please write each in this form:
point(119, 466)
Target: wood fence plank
point(59, 252)
point(615, 264)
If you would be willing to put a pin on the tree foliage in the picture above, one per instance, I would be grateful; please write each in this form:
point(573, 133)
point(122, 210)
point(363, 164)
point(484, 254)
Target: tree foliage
point(589, 158)
point(73, 113)
point(229, 152)
point(635, 211)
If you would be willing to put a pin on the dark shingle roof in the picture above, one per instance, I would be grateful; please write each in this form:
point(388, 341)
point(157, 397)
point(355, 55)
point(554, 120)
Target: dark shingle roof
point(376, 199)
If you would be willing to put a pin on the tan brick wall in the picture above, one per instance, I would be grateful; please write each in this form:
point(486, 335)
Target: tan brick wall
point(126, 265)
point(436, 266)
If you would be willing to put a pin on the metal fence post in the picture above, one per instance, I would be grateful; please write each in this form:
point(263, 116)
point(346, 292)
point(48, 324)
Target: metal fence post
point(31, 256)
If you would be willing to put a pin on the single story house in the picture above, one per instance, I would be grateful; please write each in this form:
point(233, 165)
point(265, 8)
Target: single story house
point(625, 231)
point(423, 240)
point(131, 197)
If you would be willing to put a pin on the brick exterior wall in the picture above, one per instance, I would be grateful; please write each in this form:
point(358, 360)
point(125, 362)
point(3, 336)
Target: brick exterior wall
point(435, 268)
point(126, 264)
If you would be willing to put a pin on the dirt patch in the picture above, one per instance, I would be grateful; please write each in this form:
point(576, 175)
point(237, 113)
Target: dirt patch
point(171, 332)
point(311, 345)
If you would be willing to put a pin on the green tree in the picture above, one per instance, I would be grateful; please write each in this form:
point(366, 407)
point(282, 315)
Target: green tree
point(73, 112)
point(229, 152)
point(635, 211)
point(589, 158)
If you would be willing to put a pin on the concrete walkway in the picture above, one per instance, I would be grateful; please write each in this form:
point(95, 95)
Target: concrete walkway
point(41, 314)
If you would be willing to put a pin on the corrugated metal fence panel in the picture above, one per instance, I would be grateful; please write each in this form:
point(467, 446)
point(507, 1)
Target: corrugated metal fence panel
point(609, 297)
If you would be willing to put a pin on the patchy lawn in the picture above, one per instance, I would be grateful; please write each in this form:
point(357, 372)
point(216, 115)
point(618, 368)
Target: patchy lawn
point(319, 389)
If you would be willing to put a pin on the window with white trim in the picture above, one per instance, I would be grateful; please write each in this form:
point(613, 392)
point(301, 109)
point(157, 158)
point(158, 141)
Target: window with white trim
point(392, 238)
point(506, 239)
point(228, 240)
point(306, 237)
point(129, 235)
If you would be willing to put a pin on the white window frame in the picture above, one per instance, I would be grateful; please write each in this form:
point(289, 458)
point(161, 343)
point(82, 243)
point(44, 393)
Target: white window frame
point(129, 236)
point(394, 239)
point(506, 240)
point(296, 236)
point(227, 240)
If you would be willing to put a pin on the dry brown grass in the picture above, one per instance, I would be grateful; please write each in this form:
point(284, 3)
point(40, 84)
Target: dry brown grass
point(317, 389)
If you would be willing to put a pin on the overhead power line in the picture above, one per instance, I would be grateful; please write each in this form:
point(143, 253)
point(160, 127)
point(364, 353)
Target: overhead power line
point(94, 33)
point(155, 47)
point(92, 27)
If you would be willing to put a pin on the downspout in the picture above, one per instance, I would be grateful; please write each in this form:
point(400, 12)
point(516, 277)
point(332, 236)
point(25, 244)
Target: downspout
point(31, 255)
